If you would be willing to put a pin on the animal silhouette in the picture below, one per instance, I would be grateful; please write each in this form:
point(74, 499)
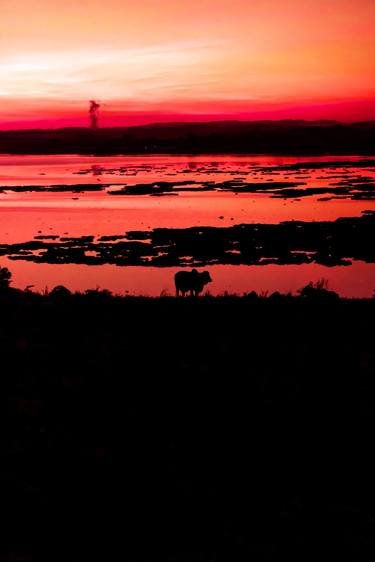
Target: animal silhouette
point(192, 281)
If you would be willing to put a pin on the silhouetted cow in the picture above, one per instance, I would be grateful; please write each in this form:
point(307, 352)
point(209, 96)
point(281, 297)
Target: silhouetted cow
point(192, 281)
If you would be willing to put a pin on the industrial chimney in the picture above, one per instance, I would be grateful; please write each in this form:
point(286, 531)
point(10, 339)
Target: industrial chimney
point(93, 112)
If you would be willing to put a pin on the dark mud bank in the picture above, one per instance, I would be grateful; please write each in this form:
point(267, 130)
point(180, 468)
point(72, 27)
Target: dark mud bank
point(327, 243)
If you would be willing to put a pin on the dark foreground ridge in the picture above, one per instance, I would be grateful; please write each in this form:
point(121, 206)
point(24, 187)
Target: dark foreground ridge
point(201, 429)
point(230, 137)
point(295, 242)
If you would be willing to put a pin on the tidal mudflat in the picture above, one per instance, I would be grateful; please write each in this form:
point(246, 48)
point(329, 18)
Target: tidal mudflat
point(113, 220)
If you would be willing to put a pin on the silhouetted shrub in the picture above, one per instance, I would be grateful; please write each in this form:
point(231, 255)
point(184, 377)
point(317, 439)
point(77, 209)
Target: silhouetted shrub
point(60, 292)
point(275, 296)
point(318, 290)
point(101, 293)
point(253, 296)
point(5, 277)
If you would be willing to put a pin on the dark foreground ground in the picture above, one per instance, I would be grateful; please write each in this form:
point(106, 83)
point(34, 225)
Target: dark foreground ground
point(186, 429)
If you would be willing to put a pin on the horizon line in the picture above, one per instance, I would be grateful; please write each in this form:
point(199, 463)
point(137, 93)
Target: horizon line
point(4, 128)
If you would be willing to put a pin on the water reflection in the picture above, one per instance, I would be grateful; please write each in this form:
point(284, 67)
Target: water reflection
point(204, 191)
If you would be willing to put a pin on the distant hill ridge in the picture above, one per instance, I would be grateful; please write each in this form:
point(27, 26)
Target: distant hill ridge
point(237, 137)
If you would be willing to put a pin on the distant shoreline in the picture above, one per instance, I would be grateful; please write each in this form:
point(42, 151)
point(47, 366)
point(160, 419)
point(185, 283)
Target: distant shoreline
point(301, 138)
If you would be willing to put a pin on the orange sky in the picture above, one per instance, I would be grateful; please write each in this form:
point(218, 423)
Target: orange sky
point(155, 60)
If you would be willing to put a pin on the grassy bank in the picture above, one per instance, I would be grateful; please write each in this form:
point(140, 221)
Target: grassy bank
point(186, 429)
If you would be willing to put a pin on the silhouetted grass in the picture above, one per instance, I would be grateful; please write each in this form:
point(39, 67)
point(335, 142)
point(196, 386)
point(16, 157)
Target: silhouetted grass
point(212, 428)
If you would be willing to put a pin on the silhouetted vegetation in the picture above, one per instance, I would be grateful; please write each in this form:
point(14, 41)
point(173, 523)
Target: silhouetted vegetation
point(318, 290)
point(60, 293)
point(5, 277)
point(178, 429)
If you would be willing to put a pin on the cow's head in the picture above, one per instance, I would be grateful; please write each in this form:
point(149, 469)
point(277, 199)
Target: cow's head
point(206, 277)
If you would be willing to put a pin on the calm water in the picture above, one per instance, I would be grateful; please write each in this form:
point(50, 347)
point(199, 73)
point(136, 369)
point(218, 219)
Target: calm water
point(26, 215)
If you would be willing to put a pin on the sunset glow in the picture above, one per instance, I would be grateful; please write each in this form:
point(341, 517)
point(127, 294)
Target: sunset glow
point(160, 60)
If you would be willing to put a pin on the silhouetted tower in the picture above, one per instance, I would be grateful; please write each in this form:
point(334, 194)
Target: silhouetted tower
point(93, 111)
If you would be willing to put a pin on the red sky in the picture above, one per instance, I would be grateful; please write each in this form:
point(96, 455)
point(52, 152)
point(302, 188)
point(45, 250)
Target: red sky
point(159, 60)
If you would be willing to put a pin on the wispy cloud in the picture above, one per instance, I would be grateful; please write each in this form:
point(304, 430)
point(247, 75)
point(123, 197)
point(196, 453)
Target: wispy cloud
point(107, 73)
